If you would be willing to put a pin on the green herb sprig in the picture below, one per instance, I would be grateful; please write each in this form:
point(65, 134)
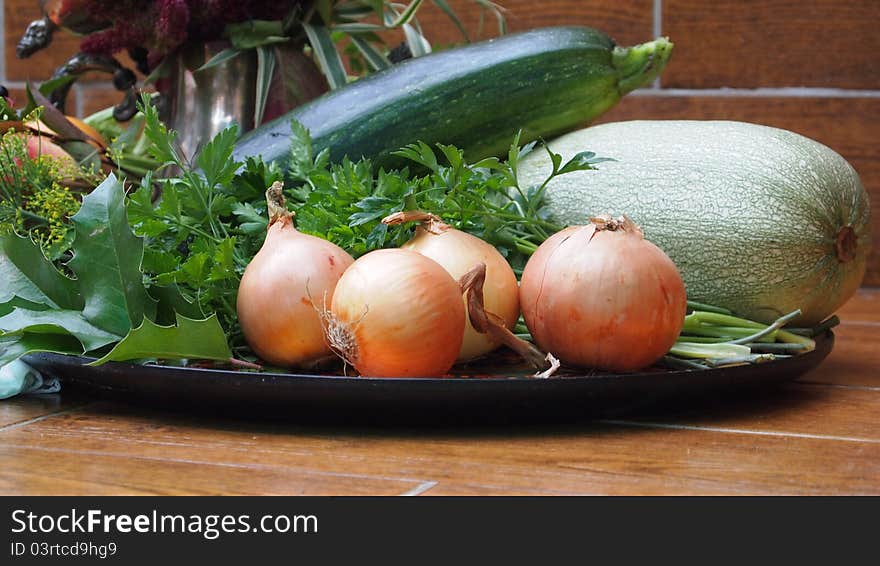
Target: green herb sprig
point(208, 222)
point(345, 203)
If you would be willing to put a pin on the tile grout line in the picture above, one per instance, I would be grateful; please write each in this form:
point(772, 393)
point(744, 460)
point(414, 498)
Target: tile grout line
point(42, 417)
point(761, 92)
point(657, 32)
point(739, 431)
point(98, 85)
point(419, 489)
point(80, 103)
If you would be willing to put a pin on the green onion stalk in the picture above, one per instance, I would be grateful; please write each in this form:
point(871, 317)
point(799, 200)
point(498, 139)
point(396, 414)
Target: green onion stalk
point(715, 337)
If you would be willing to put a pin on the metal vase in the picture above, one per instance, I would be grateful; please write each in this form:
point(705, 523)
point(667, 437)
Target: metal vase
point(199, 104)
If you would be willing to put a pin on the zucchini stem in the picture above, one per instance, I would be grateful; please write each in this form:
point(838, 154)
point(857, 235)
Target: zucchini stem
point(640, 64)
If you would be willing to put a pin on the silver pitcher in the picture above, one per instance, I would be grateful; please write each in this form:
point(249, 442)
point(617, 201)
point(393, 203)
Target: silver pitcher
point(198, 104)
point(201, 104)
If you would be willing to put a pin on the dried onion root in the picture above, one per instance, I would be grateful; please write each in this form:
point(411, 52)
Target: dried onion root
point(486, 322)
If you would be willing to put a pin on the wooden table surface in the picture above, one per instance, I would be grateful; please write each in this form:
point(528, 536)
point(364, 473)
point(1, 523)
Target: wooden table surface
point(818, 435)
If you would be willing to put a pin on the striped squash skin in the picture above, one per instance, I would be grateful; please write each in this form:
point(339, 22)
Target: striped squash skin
point(759, 220)
point(544, 81)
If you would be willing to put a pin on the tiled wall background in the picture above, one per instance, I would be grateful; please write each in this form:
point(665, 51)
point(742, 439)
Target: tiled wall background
point(810, 66)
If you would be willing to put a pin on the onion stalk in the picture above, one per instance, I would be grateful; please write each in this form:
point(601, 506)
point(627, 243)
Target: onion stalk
point(719, 338)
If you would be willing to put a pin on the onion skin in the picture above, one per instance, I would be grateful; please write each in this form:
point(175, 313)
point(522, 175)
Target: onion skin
point(603, 299)
point(458, 252)
point(397, 313)
point(275, 297)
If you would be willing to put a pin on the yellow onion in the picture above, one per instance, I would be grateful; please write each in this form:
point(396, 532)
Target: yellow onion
point(458, 252)
point(284, 288)
point(397, 313)
point(602, 296)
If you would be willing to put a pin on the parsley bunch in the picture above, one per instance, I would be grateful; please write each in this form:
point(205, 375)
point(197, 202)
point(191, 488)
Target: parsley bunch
point(345, 203)
point(200, 235)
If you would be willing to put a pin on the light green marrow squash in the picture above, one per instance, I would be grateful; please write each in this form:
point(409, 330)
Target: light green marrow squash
point(759, 220)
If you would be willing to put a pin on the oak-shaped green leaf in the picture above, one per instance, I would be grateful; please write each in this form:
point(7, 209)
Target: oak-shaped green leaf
point(57, 322)
point(27, 274)
point(171, 301)
point(189, 339)
point(11, 305)
point(32, 343)
point(107, 261)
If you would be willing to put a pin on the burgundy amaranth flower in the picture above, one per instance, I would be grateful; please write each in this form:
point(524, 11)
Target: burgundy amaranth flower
point(172, 22)
point(161, 26)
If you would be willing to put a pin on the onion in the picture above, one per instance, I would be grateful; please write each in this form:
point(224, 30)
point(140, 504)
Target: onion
point(397, 313)
point(602, 296)
point(458, 252)
point(275, 309)
point(42, 146)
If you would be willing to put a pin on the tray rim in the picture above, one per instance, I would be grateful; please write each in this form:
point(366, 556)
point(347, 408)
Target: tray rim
point(447, 401)
point(81, 362)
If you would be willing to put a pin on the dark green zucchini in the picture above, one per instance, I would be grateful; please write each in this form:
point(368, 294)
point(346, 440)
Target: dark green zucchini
point(544, 81)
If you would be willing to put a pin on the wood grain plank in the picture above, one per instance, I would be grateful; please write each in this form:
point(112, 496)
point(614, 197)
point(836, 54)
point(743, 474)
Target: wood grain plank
point(773, 43)
point(20, 410)
point(456, 488)
point(846, 125)
point(863, 307)
point(18, 97)
point(591, 458)
point(32, 470)
point(800, 409)
point(855, 360)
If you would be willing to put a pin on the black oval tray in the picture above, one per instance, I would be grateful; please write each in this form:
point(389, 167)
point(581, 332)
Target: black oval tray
point(477, 392)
